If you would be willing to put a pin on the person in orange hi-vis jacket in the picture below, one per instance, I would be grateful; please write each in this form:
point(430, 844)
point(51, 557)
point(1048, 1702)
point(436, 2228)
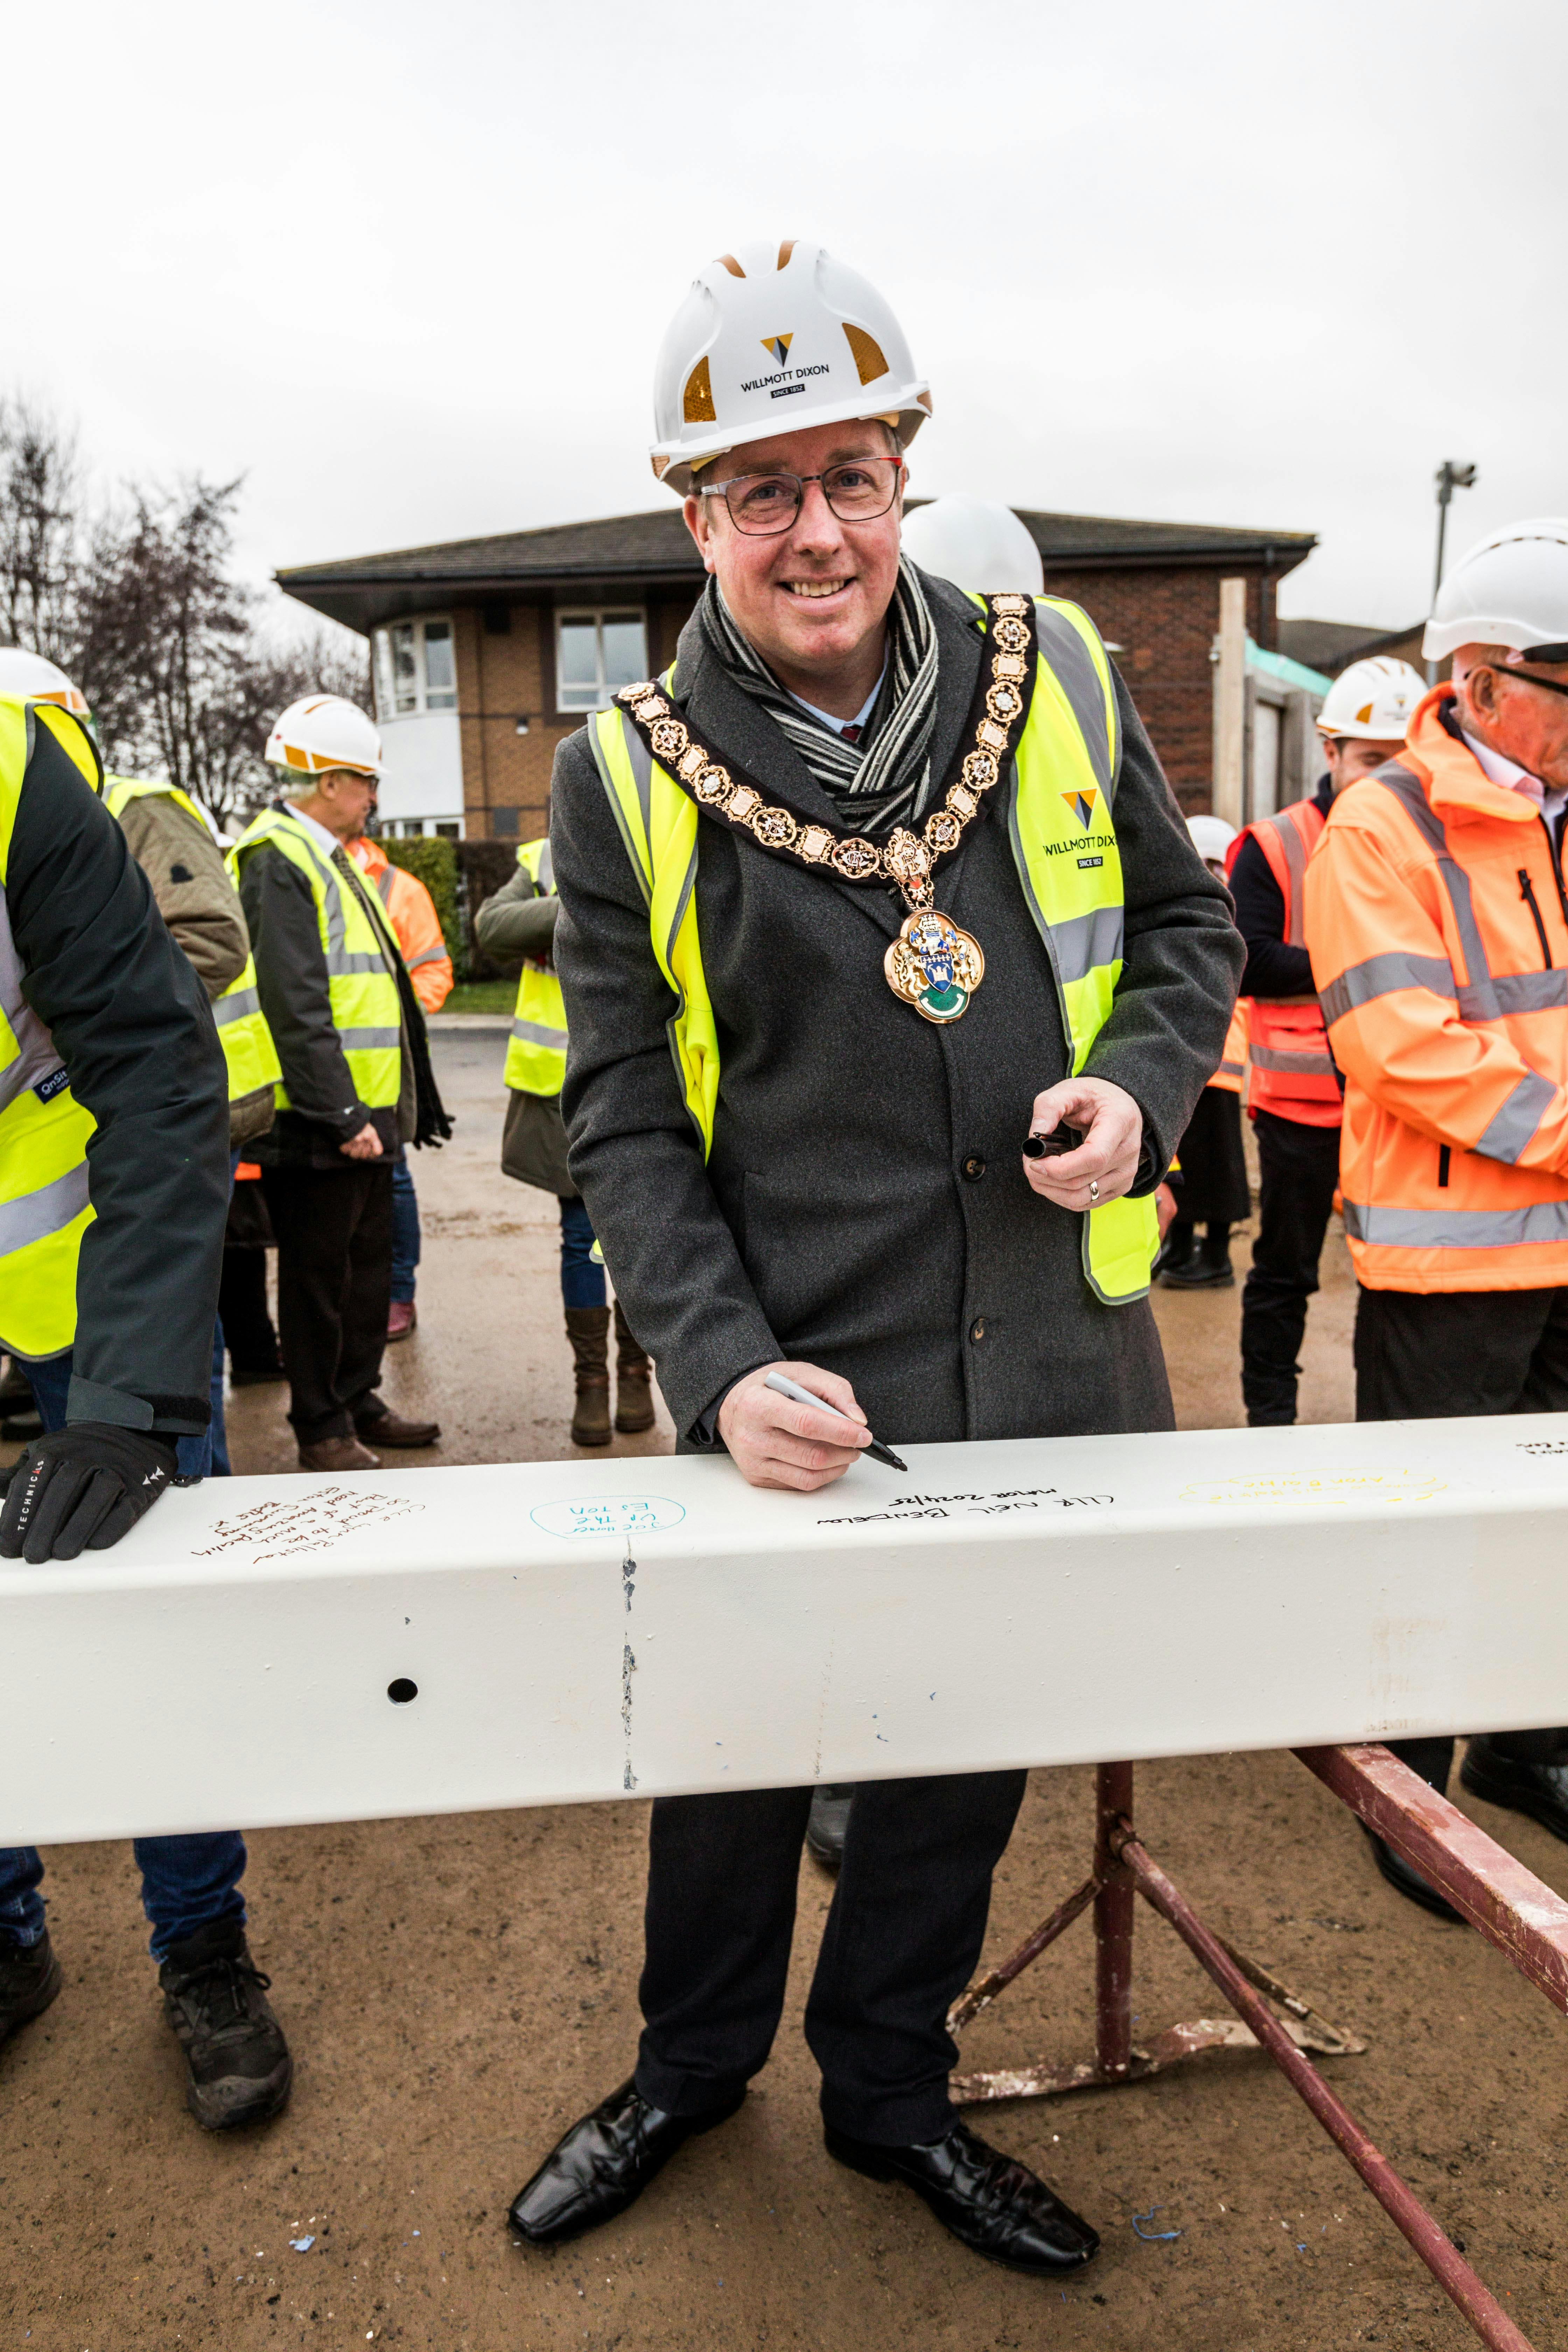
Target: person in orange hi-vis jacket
point(411, 911)
point(1292, 1086)
point(1437, 926)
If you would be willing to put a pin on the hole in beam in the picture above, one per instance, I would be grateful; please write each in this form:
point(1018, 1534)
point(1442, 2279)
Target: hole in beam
point(401, 1691)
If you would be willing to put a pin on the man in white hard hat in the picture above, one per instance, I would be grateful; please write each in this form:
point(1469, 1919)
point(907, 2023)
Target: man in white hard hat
point(1437, 927)
point(356, 1089)
point(114, 1180)
point(1293, 1088)
point(854, 921)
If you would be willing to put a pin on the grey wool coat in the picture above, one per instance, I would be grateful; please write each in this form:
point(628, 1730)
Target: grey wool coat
point(864, 1207)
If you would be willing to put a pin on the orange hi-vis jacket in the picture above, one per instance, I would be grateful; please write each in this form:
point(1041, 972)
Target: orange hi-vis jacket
point(1438, 935)
point(1290, 1070)
point(411, 911)
point(1232, 1068)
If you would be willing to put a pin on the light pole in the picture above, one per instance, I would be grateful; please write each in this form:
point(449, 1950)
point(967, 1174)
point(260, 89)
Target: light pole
point(1450, 477)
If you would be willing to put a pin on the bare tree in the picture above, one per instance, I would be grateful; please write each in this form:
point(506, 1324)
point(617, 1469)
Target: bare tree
point(141, 604)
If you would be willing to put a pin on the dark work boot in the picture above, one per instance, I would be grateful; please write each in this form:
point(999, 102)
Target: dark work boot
point(634, 1393)
point(1207, 1268)
point(827, 1824)
point(1537, 1788)
point(1180, 1251)
point(215, 2000)
point(29, 1979)
point(588, 1329)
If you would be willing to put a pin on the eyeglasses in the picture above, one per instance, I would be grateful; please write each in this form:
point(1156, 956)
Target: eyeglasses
point(1526, 677)
point(858, 490)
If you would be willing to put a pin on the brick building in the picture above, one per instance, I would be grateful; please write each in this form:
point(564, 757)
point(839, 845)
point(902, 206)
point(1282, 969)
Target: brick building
point(487, 652)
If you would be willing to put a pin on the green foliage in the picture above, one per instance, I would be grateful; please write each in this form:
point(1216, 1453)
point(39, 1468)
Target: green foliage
point(433, 860)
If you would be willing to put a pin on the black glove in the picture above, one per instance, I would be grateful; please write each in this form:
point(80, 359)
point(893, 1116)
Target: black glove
point(81, 1489)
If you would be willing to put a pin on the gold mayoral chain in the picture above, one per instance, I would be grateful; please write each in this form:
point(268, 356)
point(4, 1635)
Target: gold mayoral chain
point(932, 964)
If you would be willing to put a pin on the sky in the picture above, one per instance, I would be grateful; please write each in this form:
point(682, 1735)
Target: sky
point(406, 267)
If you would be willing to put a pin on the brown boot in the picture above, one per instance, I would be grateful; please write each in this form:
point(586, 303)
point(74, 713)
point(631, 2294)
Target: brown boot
point(634, 1397)
point(588, 1329)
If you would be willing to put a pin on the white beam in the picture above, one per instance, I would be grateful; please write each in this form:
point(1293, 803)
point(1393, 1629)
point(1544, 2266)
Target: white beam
point(576, 1631)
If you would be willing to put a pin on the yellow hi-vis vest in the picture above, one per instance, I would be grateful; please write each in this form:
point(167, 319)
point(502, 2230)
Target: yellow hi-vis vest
point(1060, 823)
point(361, 953)
point(44, 1130)
point(536, 1052)
point(242, 1029)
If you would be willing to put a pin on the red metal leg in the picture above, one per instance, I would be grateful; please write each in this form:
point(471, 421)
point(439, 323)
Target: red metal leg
point(1112, 1925)
point(1505, 1903)
point(1448, 2267)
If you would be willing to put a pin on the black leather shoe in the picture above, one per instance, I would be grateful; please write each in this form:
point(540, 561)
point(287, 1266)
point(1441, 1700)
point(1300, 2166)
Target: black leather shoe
point(29, 1980)
point(1539, 1790)
point(994, 2205)
point(828, 1825)
point(1406, 1880)
point(604, 2164)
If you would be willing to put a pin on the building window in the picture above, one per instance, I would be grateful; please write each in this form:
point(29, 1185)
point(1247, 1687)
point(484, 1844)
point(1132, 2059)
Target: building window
point(416, 669)
point(596, 653)
point(503, 821)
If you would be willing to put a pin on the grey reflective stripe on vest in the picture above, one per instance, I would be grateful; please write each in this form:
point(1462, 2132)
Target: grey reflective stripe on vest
point(36, 1215)
point(1085, 940)
point(366, 1041)
point(383, 885)
point(1542, 1221)
point(235, 1007)
point(1511, 1128)
point(35, 1058)
point(640, 854)
point(1297, 1065)
point(1295, 850)
point(545, 878)
point(534, 1033)
point(344, 962)
point(1065, 653)
point(1481, 997)
point(1382, 975)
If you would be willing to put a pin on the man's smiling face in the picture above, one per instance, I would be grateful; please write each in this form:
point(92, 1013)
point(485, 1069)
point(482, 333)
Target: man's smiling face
point(811, 598)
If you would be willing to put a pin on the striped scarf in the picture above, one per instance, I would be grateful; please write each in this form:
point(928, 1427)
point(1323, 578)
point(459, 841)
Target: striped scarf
point(884, 779)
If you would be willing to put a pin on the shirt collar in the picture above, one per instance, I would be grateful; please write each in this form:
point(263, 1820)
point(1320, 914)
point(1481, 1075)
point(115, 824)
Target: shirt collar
point(861, 716)
point(1501, 770)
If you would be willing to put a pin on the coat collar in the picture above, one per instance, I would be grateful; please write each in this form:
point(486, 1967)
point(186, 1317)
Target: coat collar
point(1455, 782)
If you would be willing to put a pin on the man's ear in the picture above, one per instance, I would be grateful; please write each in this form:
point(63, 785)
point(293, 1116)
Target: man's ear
point(696, 513)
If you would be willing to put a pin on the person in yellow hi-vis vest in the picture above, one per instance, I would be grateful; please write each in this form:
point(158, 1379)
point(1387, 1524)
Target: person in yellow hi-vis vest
point(871, 900)
point(356, 1089)
point(113, 1189)
point(520, 921)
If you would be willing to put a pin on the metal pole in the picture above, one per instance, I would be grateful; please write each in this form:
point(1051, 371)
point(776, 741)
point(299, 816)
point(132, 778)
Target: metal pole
point(1113, 1924)
point(1450, 477)
point(1447, 2266)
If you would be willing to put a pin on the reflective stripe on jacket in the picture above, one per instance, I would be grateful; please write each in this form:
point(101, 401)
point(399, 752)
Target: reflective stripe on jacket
point(1232, 1071)
point(1061, 827)
point(411, 911)
point(242, 1029)
point(536, 1054)
point(359, 951)
point(1290, 1070)
point(44, 1130)
point(1439, 943)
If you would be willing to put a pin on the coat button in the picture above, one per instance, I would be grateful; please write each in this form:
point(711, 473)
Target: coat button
point(977, 1329)
point(974, 1168)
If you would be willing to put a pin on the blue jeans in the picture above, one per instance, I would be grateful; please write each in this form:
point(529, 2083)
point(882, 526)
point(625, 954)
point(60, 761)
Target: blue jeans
point(49, 1378)
point(186, 1883)
point(404, 1232)
point(582, 1282)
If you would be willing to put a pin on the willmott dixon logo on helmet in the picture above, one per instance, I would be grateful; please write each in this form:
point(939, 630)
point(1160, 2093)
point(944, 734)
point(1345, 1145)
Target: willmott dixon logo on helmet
point(1082, 804)
point(778, 346)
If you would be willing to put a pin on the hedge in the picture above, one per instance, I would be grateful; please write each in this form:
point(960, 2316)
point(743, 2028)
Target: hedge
point(459, 876)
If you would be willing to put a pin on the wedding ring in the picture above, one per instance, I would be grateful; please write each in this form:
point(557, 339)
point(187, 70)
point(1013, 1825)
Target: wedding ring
point(1093, 1189)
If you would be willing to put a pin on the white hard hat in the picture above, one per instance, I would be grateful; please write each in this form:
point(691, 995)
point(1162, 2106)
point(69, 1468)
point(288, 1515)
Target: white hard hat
point(1373, 699)
point(324, 731)
point(975, 544)
point(1511, 590)
point(1212, 838)
point(771, 339)
point(38, 680)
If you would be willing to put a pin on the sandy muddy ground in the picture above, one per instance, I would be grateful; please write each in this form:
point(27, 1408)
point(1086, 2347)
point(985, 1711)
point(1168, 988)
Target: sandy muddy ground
point(456, 1989)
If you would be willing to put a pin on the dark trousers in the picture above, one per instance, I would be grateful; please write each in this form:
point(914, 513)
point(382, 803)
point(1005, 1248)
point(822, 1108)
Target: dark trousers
point(242, 1310)
point(334, 1288)
point(901, 1942)
point(1438, 1355)
point(1298, 1167)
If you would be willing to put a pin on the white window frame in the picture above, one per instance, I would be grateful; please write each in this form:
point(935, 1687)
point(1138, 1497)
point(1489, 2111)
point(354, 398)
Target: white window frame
point(386, 708)
point(598, 614)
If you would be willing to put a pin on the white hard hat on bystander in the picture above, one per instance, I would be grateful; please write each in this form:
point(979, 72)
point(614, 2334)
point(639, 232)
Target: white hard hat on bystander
point(39, 680)
point(1374, 700)
point(976, 544)
point(324, 731)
